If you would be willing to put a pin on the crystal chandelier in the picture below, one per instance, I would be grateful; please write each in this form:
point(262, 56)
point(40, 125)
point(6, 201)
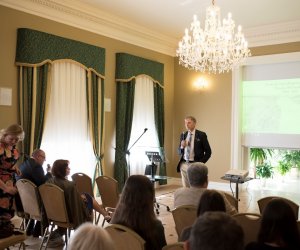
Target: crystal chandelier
point(216, 49)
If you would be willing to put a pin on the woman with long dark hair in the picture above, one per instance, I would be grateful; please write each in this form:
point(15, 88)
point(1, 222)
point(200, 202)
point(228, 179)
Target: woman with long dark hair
point(210, 201)
point(135, 210)
point(278, 230)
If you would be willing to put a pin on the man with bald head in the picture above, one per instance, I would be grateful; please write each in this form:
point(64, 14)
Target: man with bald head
point(32, 169)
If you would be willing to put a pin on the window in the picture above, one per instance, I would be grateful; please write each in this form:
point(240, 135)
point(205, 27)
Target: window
point(66, 128)
point(143, 118)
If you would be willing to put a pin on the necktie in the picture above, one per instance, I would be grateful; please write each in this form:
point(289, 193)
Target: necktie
point(188, 148)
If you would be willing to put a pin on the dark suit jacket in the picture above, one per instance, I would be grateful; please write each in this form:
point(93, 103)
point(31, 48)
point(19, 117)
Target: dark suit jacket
point(202, 148)
point(34, 172)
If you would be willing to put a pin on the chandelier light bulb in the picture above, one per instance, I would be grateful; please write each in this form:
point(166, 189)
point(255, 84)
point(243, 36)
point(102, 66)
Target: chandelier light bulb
point(214, 49)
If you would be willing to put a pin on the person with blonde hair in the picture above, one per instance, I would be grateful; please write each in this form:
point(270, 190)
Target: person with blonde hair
point(9, 156)
point(92, 237)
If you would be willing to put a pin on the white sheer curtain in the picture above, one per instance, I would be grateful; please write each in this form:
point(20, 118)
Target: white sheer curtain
point(143, 117)
point(66, 128)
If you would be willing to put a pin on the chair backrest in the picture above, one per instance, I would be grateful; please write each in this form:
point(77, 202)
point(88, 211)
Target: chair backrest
point(174, 246)
point(108, 189)
point(30, 199)
point(53, 198)
point(184, 216)
point(232, 200)
point(298, 224)
point(83, 183)
point(262, 203)
point(250, 223)
point(124, 238)
point(13, 240)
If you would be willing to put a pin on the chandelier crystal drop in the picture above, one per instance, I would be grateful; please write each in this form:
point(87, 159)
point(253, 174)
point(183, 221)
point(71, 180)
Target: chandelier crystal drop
point(217, 48)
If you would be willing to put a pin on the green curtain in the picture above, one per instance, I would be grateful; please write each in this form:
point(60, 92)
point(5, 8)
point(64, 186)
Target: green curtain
point(95, 100)
point(160, 126)
point(34, 47)
point(35, 52)
point(127, 68)
point(32, 95)
point(124, 112)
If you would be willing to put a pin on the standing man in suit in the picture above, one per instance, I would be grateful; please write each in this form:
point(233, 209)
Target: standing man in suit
point(193, 147)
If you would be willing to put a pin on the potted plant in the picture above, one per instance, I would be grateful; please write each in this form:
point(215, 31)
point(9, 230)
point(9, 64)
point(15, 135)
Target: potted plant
point(293, 158)
point(264, 171)
point(258, 156)
point(284, 167)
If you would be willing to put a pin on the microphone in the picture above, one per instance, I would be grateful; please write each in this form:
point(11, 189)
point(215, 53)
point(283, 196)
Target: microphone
point(145, 130)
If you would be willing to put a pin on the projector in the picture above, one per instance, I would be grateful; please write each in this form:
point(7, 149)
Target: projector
point(236, 174)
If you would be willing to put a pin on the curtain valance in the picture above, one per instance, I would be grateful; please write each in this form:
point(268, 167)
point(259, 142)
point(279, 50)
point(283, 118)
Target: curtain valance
point(128, 66)
point(35, 47)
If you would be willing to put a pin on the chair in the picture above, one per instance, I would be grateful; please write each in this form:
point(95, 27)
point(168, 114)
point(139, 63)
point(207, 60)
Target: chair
point(232, 200)
point(184, 216)
point(262, 203)
point(32, 204)
point(108, 189)
point(53, 198)
point(250, 223)
point(13, 240)
point(298, 224)
point(124, 238)
point(174, 246)
point(84, 184)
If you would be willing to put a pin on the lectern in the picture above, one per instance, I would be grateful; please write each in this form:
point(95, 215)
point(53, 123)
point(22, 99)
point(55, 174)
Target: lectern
point(150, 172)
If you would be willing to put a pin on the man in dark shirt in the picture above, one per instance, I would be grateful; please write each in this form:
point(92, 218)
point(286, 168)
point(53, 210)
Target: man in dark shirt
point(32, 169)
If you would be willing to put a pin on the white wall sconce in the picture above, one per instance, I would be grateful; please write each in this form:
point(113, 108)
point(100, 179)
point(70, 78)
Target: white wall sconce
point(200, 84)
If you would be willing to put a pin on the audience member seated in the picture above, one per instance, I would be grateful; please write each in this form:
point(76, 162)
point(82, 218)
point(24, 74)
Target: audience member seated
point(211, 200)
point(92, 237)
point(80, 206)
point(278, 228)
point(32, 169)
point(198, 177)
point(215, 231)
point(135, 210)
point(9, 156)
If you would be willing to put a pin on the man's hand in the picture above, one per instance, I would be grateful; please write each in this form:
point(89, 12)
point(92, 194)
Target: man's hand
point(18, 171)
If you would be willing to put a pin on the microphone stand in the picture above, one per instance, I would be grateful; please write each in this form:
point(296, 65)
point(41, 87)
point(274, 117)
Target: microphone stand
point(128, 150)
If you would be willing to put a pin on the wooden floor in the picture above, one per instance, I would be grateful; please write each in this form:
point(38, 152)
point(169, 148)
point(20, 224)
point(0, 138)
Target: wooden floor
point(249, 193)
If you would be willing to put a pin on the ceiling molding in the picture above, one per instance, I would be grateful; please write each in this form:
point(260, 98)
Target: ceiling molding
point(273, 34)
point(94, 20)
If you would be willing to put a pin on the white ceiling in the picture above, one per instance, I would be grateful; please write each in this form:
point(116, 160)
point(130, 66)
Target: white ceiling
point(171, 17)
point(159, 24)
